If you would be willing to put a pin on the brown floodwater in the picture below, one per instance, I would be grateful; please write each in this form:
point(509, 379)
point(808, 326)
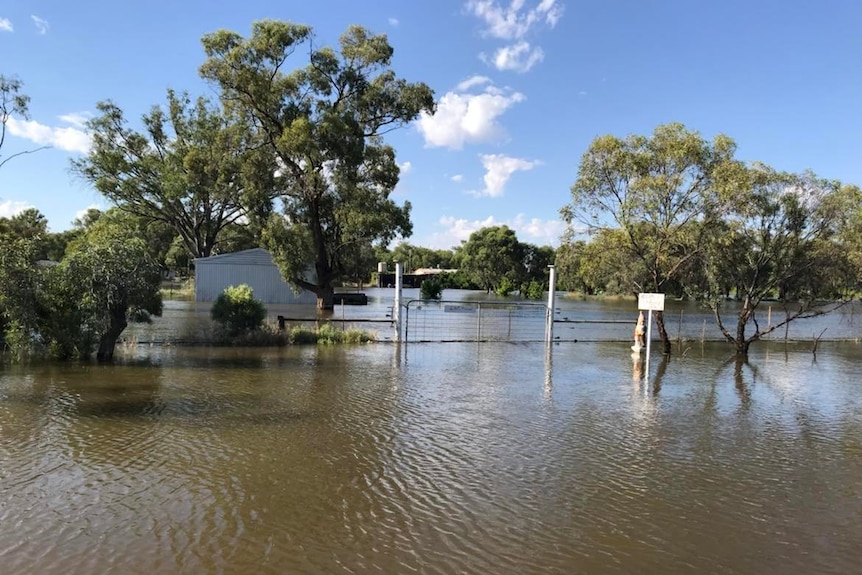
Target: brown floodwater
point(434, 458)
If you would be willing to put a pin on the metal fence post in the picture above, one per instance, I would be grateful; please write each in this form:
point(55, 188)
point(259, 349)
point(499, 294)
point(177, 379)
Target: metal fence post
point(552, 292)
point(396, 310)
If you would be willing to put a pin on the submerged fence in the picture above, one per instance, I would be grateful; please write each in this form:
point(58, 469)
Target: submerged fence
point(472, 321)
point(431, 320)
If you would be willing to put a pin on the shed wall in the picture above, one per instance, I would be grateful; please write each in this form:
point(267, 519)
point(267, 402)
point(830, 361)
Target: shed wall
point(252, 267)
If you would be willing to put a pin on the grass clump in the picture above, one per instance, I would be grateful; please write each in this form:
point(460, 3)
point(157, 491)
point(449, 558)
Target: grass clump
point(327, 334)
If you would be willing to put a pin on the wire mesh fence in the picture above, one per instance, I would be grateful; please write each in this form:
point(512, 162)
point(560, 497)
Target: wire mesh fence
point(430, 320)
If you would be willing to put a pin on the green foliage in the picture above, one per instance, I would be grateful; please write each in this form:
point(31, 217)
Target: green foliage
point(431, 289)
point(237, 311)
point(197, 168)
point(504, 287)
point(415, 257)
point(535, 290)
point(324, 123)
point(327, 334)
point(81, 305)
point(781, 238)
point(661, 191)
point(492, 255)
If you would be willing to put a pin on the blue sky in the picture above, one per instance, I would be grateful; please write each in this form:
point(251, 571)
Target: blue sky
point(522, 86)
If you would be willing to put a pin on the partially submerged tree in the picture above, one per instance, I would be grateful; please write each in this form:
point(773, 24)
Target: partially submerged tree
point(779, 240)
point(658, 190)
point(83, 304)
point(195, 167)
point(492, 256)
point(325, 123)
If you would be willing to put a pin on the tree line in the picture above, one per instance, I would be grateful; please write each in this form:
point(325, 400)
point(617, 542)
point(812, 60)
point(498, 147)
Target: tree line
point(291, 156)
point(678, 214)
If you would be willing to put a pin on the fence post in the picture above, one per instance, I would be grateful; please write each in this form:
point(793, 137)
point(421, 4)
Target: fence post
point(552, 292)
point(396, 309)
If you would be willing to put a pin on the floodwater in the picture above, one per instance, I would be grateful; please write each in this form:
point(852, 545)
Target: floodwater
point(582, 320)
point(434, 458)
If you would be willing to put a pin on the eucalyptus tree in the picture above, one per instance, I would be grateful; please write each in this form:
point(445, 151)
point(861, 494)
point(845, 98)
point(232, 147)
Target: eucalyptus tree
point(492, 257)
point(195, 166)
point(110, 277)
point(322, 113)
point(780, 239)
point(659, 192)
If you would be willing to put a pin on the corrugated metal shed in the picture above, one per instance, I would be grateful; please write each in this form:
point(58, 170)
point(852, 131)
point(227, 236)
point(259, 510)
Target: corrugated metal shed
point(253, 267)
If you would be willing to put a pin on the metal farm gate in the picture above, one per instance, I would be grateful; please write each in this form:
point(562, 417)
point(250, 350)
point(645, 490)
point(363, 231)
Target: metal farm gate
point(453, 321)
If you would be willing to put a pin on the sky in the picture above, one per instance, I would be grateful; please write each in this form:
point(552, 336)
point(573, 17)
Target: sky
point(522, 89)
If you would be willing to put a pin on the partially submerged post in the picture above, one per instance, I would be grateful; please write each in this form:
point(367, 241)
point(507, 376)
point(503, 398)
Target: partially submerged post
point(396, 308)
point(552, 291)
point(649, 302)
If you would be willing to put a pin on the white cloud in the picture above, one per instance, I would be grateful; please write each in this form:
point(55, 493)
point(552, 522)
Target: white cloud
point(394, 22)
point(538, 231)
point(11, 207)
point(6, 25)
point(405, 168)
point(514, 22)
point(472, 82)
point(532, 230)
point(41, 24)
point(519, 57)
point(457, 178)
point(498, 170)
point(464, 118)
point(66, 138)
point(77, 119)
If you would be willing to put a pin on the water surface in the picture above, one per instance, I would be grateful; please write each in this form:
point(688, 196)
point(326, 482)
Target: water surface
point(434, 458)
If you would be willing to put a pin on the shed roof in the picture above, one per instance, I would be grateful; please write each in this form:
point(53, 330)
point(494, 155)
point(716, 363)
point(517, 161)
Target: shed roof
point(252, 257)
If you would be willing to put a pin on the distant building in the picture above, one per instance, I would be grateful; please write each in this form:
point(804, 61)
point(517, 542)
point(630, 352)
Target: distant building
point(253, 267)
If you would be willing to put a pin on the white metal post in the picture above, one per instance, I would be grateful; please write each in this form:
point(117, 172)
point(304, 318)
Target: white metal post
point(648, 342)
point(396, 309)
point(552, 292)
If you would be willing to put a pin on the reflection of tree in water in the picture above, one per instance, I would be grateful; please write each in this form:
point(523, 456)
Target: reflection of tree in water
point(659, 373)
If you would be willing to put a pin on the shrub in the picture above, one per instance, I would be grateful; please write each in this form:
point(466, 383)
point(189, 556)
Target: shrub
point(505, 287)
point(431, 289)
point(237, 310)
point(535, 290)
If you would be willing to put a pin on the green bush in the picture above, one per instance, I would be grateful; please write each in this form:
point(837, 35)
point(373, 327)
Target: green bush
point(431, 289)
point(505, 287)
point(237, 311)
point(535, 290)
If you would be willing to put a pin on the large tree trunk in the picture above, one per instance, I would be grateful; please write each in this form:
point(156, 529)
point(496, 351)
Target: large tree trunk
point(326, 298)
point(108, 341)
point(742, 344)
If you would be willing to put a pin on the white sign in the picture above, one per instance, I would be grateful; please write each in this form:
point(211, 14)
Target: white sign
point(651, 301)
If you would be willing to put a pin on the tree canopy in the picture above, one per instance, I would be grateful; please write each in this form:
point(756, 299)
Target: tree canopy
point(491, 256)
point(676, 214)
point(196, 167)
point(659, 191)
point(324, 122)
point(778, 239)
